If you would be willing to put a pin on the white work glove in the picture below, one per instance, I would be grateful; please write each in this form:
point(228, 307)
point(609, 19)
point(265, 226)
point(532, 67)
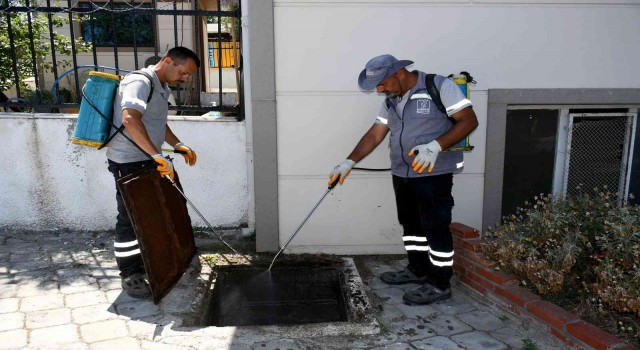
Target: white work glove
point(189, 154)
point(165, 166)
point(426, 156)
point(341, 171)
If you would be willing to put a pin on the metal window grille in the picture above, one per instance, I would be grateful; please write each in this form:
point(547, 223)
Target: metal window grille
point(598, 147)
point(46, 95)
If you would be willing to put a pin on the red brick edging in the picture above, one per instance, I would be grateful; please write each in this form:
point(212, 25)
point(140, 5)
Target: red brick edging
point(474, 270)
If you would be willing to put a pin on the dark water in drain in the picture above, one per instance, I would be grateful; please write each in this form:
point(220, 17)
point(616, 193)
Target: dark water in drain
point(244, 296)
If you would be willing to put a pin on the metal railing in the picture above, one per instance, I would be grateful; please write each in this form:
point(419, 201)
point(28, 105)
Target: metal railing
point(42, 22)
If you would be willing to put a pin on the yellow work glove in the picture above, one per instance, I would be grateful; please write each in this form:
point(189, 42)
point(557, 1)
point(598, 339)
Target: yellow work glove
point(190, 156)
point(165, 166)
point(426, 156)
point(341, 171)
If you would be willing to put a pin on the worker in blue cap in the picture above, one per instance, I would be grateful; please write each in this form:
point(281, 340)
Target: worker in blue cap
point(422, 173)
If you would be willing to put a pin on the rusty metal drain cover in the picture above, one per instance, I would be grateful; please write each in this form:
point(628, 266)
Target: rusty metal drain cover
point(249, 296)
point(159, 216)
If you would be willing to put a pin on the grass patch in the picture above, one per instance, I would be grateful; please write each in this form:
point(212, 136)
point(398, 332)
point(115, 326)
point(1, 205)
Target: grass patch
point(528, 344)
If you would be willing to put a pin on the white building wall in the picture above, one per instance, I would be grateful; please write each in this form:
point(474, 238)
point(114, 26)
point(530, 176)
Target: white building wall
point(49, 183)
point(321, 47)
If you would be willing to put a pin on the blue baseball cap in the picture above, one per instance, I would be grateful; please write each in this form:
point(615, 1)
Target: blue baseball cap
point(378, 69)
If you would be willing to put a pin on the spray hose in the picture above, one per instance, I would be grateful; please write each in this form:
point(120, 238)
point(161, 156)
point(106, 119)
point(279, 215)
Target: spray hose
point(84, 95)
point(54, 90)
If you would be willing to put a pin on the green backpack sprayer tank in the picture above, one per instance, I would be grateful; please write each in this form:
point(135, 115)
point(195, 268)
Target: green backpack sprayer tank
point(92, 128)
point(462, 80)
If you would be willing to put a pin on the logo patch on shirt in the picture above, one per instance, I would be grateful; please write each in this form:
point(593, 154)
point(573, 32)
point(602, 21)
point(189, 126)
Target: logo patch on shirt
point(423, 106)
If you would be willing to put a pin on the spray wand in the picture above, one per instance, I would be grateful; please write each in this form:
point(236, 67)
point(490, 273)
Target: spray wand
point(202, 216)
point(331, 186)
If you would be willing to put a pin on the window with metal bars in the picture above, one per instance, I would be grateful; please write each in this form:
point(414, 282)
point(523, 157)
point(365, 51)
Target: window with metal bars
point(567, 151)
point(597, 152)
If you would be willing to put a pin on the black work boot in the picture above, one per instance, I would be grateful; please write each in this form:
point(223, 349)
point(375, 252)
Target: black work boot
point(136, 286)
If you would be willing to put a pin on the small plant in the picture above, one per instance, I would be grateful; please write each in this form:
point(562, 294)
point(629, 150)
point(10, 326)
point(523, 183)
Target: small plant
point(528, 344)
point(39, 97)
point(384, 329)
point(211, 259)
point(586, 246)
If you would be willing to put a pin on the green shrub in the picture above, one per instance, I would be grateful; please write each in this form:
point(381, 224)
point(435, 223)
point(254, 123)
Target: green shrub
point(40, 97)
point(588, 244)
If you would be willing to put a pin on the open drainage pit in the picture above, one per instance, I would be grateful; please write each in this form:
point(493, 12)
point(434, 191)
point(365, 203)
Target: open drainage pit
point(287, 295)
point(303, 299)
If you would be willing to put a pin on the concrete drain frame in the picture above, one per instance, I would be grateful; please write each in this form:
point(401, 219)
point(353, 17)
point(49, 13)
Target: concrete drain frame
point(187, 305)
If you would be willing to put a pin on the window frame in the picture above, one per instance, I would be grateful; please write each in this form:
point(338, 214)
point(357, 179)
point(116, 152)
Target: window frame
point(499, 100)
point(562, 164)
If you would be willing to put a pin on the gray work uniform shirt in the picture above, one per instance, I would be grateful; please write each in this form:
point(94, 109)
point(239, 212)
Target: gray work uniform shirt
point(414, 119)
point(133, 93)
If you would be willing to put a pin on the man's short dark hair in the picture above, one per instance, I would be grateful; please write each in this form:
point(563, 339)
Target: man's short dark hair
point(181, 54)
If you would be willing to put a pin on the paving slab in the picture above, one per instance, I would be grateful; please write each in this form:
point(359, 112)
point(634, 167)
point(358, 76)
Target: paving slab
point(280, 344)
point(48, 318)
point(410, 330)
point(93, 313)
point(11, 321)
point(85, 299)
point(479, 341)
point(15, 339)
point(99, 331)
point(482, 320)
point(391, 294)
point(8, 290)
point(392, 314)
point(51, 336)
point(120, 344)
point(44, 301)
point(150, 345)
point(138, 309)
point(446, 325)
point(440, 343)
point(8, 305)
point(458, 304)
point(394, 346)
point(31, 287)
point(417, 311)
point(78, 284)
point(512, 336)
point(68, 296)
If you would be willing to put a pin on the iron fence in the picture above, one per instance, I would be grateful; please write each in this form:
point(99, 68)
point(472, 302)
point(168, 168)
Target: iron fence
point(56, 44)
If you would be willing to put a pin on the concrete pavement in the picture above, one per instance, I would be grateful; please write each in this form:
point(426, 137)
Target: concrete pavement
point(61, 290)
